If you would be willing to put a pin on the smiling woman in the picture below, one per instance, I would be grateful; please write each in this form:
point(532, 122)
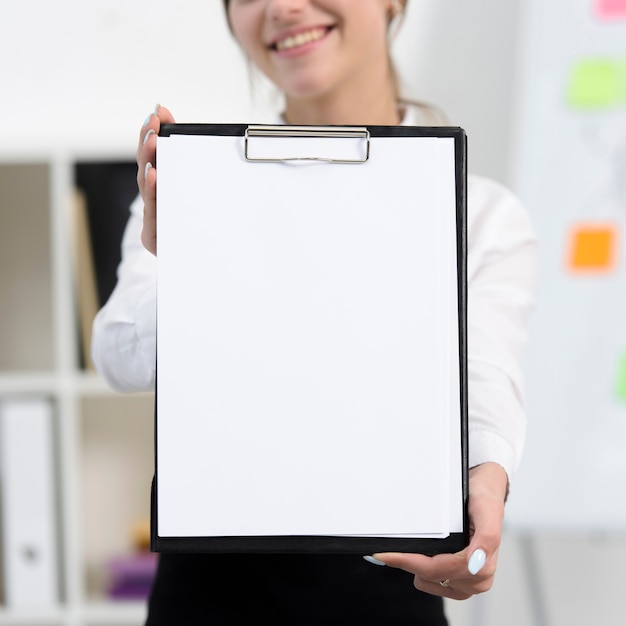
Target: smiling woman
point(368, 37)
point(331, 60)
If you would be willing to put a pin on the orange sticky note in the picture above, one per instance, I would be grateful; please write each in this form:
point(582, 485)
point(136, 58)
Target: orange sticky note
point(611, 9)
point(592, 248)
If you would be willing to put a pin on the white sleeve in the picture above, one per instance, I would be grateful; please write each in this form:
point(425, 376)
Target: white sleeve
point(502, 267)
point(123, 343)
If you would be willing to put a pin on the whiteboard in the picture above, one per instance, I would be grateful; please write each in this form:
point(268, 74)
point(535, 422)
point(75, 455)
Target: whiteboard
point(569, 169)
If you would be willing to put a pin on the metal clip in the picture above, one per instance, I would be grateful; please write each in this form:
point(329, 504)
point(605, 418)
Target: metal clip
point(307, 132)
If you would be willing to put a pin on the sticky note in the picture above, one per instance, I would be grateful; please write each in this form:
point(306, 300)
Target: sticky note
point(592, 248)
point(595, 84)
point(621, 378)
point(610, 9)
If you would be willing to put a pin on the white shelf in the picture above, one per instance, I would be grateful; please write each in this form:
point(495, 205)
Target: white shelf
point(33, 617)
point(113, 613)
point(103, 440)
point(103, 613)
point(30, 382)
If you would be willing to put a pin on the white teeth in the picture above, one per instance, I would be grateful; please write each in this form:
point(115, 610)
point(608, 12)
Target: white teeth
point(300, 39)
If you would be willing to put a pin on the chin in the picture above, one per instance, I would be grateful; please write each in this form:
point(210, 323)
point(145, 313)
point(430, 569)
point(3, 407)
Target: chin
point(309, 83)
point(306, 90)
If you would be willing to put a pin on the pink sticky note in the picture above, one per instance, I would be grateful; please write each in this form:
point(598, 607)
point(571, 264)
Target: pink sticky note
point(611, 9)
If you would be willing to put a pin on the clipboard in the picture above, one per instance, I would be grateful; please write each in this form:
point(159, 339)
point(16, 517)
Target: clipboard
point(311, 390)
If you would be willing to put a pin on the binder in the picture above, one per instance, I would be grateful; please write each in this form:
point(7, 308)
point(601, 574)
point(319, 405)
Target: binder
point(311, 387)
point(29, 523)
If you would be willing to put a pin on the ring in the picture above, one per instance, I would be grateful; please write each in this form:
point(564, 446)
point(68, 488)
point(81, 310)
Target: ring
point(445, 583)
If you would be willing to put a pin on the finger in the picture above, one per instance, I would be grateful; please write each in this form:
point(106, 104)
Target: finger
point(488, 484)
point(454, 582)
point(148, 233)
point(447, 591)
point(147, 153)
point(428, 568)
point(164, 115)
point(149, 195)
point(152, 125)
point(477, 561)
point(430, 572)
point(455, 568)
point(146, 150)
point(146, 173)
point(482, 552)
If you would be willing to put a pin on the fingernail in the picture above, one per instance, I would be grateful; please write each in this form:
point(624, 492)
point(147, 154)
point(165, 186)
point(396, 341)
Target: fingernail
point(371, 559)
point(147, 120)
point(150, 132)
point(147, 169)
point(157, 106)
point(476, 562)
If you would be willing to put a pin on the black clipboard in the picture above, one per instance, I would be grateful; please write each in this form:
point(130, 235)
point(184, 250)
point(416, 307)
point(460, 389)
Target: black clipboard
point(316, 148)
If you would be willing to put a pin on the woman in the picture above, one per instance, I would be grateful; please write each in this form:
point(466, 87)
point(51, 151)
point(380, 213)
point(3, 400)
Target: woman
point(331, 60)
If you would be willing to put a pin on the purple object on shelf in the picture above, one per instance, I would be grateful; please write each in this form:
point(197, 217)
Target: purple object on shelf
point(131, 576)
point(134, 565)
point(130, 591)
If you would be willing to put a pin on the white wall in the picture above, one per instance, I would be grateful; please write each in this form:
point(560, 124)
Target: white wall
point(87, 74)
point(461, 55)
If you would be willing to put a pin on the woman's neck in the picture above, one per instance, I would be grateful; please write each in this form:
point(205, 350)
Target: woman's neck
point(375, 103)
point(342, 113)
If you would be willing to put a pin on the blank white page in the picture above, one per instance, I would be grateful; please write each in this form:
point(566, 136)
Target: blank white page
point(304, 341)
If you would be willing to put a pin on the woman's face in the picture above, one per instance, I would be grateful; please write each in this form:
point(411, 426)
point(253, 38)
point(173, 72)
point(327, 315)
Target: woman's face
point(309, 48)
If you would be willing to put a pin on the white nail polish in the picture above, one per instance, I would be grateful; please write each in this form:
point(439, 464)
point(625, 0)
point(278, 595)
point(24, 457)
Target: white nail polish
point(476, 562)
point(150, 132)
point(147, 120)
point(371, 559)
point(148, 168)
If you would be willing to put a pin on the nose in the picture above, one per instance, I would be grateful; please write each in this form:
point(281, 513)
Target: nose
point(285, 9)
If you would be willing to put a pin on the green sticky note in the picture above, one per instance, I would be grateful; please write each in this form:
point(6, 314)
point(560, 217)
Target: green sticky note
point(621, 81)
point(595, 84)
point(621, 378)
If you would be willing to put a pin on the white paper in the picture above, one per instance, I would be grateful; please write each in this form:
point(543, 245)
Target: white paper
point(304, 342)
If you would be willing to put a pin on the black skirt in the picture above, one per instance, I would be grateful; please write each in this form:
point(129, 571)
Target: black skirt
point(289, 590)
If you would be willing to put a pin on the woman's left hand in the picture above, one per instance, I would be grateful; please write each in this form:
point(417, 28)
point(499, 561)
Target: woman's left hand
point(454, 575)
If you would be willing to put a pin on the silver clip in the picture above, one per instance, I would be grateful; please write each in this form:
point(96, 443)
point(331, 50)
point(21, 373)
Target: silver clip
point(307, 132)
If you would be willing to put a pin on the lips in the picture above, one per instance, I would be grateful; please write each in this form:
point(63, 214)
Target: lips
point(300, 39)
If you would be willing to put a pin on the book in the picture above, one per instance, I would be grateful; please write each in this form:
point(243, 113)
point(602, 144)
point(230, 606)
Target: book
point(104, 191)
point(29, 512)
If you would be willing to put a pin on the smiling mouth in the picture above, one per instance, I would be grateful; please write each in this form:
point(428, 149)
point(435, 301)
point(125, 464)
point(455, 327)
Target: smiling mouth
point(301, 39)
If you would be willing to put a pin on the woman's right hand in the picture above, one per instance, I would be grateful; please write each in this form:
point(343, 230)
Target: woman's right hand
point(146, 172)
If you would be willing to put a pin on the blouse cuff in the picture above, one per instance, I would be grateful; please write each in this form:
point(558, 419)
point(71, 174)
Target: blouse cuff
point(488, 447)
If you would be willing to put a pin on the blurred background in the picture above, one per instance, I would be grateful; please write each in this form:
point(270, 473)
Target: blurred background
point(540, 88)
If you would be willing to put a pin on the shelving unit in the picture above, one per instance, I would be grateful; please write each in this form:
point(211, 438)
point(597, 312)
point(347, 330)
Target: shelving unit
point(103, 440)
